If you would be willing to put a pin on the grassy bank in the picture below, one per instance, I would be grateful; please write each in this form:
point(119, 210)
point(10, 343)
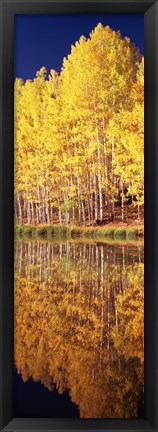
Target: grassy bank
point(113, 231)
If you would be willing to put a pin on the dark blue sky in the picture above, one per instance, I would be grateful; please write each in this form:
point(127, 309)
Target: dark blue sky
point(43, 40)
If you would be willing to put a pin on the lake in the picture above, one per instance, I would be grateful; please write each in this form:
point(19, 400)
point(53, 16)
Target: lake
point(79, 329)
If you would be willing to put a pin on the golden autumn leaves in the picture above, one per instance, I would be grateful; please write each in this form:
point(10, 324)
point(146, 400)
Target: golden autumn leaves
point(79, 139)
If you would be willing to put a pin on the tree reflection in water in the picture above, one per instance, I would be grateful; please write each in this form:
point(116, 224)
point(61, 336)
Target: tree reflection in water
point(79, 323)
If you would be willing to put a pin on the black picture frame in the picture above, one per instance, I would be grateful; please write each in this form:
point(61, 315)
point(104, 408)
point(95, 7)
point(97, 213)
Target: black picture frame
point(8, 8)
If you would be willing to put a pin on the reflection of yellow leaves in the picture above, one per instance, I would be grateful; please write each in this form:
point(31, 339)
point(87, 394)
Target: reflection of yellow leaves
point(128, 338)
point(61, 337)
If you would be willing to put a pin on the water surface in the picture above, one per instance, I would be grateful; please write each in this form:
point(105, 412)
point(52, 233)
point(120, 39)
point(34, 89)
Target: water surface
point(79, 329)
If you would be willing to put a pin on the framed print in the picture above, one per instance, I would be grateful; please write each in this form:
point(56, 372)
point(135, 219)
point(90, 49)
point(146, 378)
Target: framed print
point(78, 154)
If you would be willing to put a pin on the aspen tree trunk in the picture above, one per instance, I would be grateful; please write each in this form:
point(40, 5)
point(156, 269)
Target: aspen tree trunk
point(79, 203)
point(99, 166)
point(32, 212)
point(79, 211)
point(77, 188)
point(100, 193)
point(43, 211)
point(66, 211)
point(138, 206)
point(91, 208)
point(112, 161)
point(47, 202)
point(88, 209)
point(43, 204)
point(51, 214)
point(15, 213)
point(88, 202)
point(19, 209)
point(24, 206)
point(39, 201)
point(36, 212)
point(91, 195)
point(83, 213)
point(73, 213)
point(59, 210)
point(67, 199)
point(122, 204)
point(73, 208)
point(47, 211)
point(28, 212)
point(105, 160)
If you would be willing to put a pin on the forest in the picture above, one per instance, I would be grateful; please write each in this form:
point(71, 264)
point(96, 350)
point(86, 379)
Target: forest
point(79, 136)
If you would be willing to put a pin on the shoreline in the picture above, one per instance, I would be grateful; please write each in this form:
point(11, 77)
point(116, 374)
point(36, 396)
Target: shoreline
point(113, 231)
